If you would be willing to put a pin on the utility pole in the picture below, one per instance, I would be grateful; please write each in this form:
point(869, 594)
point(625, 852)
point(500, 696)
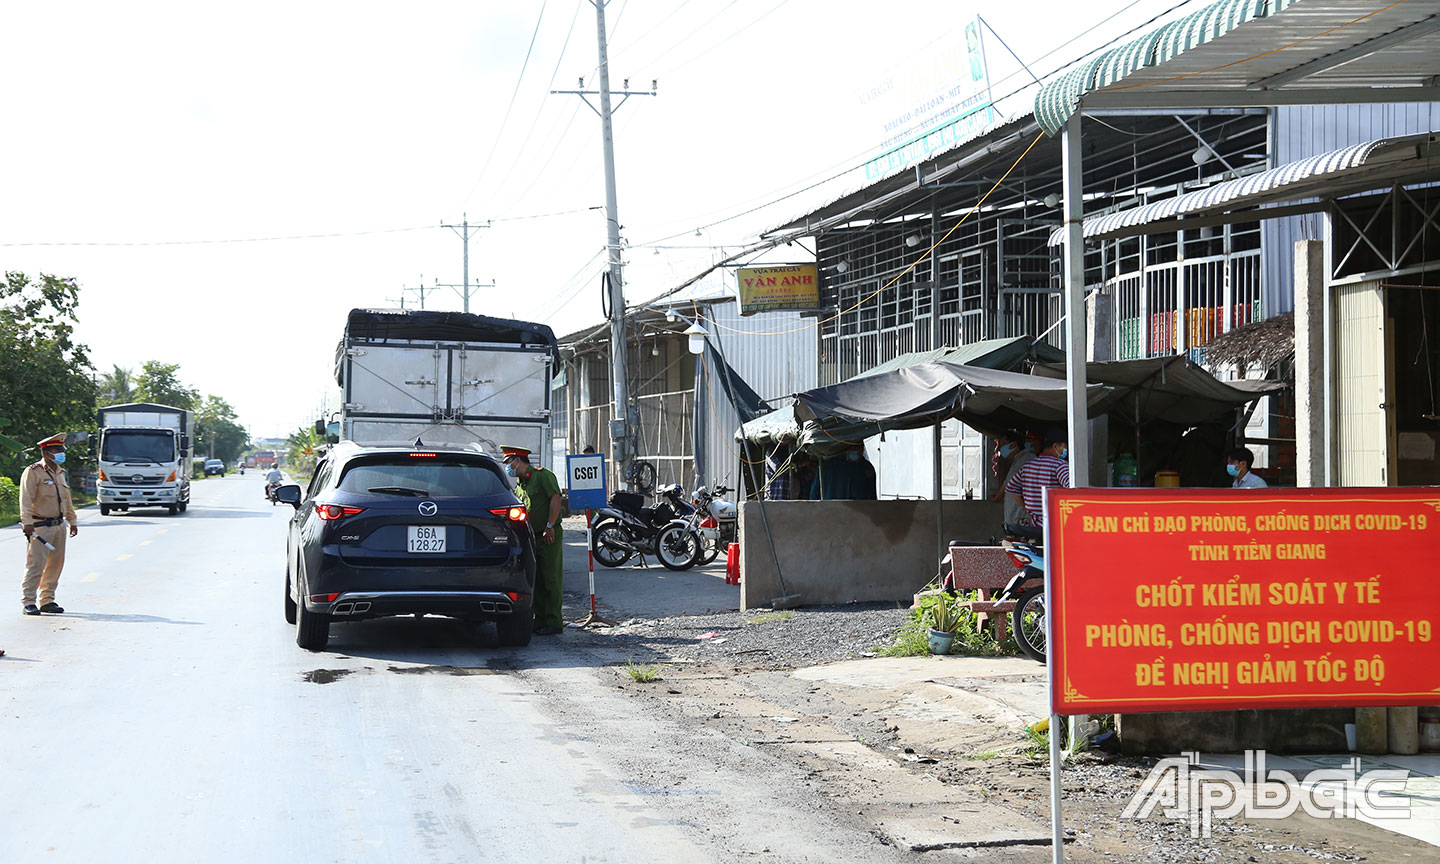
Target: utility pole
point(466, 288)
point(620, 432)
point(465, 230)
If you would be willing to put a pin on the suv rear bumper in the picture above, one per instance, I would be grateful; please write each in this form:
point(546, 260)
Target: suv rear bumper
point(471, 605)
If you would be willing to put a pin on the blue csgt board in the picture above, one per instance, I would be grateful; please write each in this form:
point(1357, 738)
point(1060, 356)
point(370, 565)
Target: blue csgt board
point(585, 478)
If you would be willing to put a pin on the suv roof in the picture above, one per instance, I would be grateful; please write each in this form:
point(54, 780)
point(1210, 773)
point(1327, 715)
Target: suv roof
point(346, 450)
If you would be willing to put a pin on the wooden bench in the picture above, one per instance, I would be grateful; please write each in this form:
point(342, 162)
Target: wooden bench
point(986, 570)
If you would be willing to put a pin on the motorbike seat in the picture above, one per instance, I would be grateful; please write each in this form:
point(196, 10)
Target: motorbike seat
point(1024, 532)
point(628, 502)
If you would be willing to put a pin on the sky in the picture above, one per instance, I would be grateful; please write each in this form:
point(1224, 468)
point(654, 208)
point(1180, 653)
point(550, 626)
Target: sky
point(227, 181)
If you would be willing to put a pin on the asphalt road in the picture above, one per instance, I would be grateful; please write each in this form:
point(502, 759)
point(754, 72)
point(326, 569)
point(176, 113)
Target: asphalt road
point(169, 716)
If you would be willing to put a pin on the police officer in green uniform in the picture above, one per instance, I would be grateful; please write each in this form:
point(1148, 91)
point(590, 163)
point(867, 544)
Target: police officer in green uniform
point(540, 493)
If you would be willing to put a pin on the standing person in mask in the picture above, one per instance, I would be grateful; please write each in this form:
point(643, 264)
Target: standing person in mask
point(45, 507)
point(1011, 455)
point(1050, 468)
point(540, 493)
point(846, 477)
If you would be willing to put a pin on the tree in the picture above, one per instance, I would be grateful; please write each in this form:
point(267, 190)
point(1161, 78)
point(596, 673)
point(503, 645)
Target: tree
point(217, 434)
point(46, 382)
point(300, 449)
point(117, 386)
point(160, 383)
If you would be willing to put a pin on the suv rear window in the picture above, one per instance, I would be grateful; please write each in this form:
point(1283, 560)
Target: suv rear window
point(422, 478)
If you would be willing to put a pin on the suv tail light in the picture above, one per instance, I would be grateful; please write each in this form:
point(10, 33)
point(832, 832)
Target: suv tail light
point(514, 514)
point(332, 512)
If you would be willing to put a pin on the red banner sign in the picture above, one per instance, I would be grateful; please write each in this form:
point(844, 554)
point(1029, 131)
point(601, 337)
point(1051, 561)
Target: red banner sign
point(1204, 599)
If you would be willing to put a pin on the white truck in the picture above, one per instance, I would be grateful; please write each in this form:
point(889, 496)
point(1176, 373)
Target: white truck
point(446, 379)
point(144, 457)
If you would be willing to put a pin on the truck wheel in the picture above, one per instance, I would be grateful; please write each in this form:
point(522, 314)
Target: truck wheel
point(173, 509)
point(104, 509)
point(183, 505)
point(312, 629)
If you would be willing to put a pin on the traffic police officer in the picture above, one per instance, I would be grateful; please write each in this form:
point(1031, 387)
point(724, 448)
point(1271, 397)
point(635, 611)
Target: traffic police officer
point(540, 493)
point(45, 507)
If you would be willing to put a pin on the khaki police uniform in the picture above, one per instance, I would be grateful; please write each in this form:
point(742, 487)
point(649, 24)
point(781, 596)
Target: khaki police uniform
point(45, 507)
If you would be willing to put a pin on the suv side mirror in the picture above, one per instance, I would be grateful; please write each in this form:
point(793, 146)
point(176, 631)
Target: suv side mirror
point(289, 494)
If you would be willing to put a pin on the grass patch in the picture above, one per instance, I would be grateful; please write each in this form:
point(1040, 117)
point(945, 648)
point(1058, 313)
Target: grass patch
point(770, 617)
point(984, 755)
point(642, 674)
point(1037, 742)
point(913, 640)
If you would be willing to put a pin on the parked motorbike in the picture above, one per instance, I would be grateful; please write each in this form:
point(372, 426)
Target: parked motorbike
point(627, 528)
point(715, 519)
point(1025, 547)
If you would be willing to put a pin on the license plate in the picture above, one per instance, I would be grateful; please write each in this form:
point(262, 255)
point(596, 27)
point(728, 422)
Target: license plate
point(427, 538)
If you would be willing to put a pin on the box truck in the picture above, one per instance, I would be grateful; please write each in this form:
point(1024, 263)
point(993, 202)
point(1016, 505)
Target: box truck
point(143, 456)
point(446, 379)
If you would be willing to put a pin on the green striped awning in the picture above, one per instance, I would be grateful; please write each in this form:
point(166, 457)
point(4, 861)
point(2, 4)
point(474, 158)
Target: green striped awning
point(1057, 101)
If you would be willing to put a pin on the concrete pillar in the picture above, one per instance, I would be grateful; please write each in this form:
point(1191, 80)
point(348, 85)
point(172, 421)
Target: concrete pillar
point(1310, 363)
point(1372, 735)
point(1404, 730)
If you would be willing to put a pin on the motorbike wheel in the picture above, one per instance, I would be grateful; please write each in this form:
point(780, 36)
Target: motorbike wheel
point(1027, 619)
point(677, 547)
point(610, 556)
point(709, 551)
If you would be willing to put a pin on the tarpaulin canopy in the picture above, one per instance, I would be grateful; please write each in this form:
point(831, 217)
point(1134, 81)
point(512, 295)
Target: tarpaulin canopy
point(779, 426)
point(1172, 389)
point(925, 394)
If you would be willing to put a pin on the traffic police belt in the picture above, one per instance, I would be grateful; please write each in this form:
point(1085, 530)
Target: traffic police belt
point(49, 523)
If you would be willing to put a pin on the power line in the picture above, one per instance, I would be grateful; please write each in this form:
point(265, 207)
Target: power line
point(516, 92)
point(327, 236)
point(693, 57)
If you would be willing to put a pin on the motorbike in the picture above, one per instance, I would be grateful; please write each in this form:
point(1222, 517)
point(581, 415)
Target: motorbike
point(1025, 547)
point(627, 528)
point(270, 492)
point(715, 519)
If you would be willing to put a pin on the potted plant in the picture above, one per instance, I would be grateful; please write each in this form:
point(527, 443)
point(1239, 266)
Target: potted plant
point(944, 617)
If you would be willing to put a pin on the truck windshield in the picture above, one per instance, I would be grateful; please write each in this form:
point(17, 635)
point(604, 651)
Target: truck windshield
point(138, 447)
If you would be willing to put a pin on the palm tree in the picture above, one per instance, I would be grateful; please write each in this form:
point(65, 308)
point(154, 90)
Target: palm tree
point(117, 386)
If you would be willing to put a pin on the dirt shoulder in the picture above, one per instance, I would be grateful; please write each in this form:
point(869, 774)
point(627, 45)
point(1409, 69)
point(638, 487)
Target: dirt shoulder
point(926, 754)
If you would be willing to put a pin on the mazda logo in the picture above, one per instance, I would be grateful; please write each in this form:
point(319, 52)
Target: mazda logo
point(428, 508)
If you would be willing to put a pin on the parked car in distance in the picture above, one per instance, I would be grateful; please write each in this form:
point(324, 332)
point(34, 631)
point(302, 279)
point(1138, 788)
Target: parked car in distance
point(384, 531)
point(214, 466)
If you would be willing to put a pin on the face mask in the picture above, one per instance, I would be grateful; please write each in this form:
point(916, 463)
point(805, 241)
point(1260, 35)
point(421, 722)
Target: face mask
point(853, 456)
point(59, 458)
point(510, 469)
point(1232, 469)
point(1030, 445)
point(1064, 451)
point(1007, 450)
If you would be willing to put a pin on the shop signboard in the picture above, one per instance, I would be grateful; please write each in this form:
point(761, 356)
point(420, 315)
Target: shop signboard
point(769, 289)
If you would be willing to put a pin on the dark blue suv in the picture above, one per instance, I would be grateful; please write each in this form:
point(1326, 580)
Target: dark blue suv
point(404, 531)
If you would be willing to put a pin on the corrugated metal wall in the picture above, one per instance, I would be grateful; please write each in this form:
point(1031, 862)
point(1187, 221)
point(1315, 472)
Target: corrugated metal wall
point(777, 354)
point(1302, 131)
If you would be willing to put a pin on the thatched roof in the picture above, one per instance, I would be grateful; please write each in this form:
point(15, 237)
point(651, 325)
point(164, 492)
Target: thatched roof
point(1266, 342)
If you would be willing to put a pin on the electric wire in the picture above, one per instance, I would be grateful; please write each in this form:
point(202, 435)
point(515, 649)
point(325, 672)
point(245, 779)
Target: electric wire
point(693, 57)
point(500, 133)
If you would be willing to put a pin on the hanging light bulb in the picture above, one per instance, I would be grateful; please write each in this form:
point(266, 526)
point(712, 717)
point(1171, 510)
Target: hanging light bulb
point(697, 336)
point(655, 349)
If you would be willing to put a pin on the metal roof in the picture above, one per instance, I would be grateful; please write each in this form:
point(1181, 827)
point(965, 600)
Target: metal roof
point(1262, 52)
point(1375, 164)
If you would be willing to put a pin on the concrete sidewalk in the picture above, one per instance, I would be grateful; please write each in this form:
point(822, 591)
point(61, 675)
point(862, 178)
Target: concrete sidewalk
point(633, 591)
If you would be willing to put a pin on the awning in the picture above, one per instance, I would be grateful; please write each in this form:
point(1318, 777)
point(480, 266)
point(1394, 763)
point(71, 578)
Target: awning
point(1407, 160)
point(990, 400)
point(1261, 52)
point(1171, 389)
point(1004, 354)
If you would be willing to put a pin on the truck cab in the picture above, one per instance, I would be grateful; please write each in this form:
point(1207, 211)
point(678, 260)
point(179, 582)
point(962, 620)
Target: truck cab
point(143, 456)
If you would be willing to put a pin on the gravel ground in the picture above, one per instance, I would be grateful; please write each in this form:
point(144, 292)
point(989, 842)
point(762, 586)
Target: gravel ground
point(802, 637)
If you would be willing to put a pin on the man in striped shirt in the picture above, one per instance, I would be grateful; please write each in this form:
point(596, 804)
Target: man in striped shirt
point(1049, 468)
